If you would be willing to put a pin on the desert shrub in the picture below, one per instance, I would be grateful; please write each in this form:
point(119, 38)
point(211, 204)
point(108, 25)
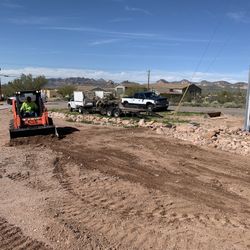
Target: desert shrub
point(66, 90)
point(232, 105)
point(214, 104)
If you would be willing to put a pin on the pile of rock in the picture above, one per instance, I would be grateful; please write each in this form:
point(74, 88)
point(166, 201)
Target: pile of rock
point(227, 139)
point(94, 119)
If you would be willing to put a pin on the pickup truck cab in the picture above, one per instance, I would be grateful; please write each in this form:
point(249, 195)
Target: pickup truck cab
point(148, 100)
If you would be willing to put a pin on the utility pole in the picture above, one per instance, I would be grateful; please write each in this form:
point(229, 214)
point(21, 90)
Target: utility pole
point(148, 78)
point(247, 114)
point(0, 86)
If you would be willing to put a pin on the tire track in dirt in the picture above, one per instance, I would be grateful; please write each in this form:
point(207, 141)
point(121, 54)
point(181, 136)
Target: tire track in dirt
point(113, 208)
point(12, 237)
point(148, 194)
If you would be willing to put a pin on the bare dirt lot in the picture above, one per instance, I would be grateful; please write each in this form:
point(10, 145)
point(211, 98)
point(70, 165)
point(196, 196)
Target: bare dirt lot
point(117, 188)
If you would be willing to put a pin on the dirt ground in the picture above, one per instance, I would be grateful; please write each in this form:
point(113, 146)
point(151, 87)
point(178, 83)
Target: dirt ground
point(118, 188)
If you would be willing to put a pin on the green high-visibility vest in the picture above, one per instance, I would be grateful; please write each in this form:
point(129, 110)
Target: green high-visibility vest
point(28, 107)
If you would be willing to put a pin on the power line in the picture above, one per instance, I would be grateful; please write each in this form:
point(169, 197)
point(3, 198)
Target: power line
point(201, 59)
point(199, 63)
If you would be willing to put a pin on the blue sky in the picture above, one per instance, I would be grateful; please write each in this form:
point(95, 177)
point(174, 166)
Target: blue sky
point(122, 39)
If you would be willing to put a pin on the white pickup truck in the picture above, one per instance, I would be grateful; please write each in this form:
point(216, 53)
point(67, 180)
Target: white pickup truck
point(148, 100)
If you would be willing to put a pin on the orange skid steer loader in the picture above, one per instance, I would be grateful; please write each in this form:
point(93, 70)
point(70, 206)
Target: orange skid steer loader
point(37, 123)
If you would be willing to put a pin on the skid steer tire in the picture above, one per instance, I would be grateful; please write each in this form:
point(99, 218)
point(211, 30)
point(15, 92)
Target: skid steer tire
point(50, 121)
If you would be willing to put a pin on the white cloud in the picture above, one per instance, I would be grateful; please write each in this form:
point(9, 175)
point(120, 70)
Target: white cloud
point(118, 76)
point(132, 35)
point(10, 4)
point(104, 41)
point(133, 9)
point(100, 31)
point(240, 16)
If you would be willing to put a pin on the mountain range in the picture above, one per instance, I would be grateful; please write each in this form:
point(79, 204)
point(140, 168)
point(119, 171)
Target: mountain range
point(57, 82)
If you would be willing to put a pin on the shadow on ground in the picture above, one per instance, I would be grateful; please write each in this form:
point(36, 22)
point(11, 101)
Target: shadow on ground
point(63, 131)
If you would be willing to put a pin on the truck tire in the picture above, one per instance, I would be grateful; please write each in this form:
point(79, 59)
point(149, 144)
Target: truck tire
point(110, 112)
point(125, 104)
point(69, 108)
point(80, 110)
point(117, 113)
point(103, 111)
point(150, 107)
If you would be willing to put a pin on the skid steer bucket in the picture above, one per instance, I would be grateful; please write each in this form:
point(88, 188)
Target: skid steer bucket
point(33, 131)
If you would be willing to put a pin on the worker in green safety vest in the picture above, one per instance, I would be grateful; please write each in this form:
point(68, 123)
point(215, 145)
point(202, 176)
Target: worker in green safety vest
point(29, 108)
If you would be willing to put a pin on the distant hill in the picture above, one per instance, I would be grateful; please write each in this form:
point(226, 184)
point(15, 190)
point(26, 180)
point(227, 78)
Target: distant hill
point(206, 86)
point(215, 86)
point(57, 82)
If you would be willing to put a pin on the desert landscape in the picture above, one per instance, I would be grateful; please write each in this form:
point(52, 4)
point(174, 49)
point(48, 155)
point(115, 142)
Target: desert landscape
point(120, 187)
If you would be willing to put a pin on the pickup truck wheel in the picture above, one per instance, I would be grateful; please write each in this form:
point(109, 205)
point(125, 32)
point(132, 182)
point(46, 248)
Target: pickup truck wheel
point(70, 109)
point(81, 110)
point(125, 104)
point(150, 107)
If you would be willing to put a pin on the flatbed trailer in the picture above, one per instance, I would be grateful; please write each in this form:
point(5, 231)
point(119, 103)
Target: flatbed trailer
point(116, 109)
point(120, 109)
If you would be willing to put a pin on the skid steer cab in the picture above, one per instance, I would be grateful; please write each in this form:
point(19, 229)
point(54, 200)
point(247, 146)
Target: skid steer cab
point(27, 122)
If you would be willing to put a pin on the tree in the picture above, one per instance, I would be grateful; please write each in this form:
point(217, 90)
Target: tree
point(66, 90)
point(25, 82)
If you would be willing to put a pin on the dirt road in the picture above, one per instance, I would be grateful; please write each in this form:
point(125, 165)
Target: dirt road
point(115, 188)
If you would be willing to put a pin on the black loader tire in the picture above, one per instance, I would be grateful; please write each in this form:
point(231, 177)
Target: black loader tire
point(11, 127)
point(50, 121)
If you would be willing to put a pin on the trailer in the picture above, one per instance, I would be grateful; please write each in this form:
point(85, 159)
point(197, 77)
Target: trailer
point(83, 103)
point(139, 111)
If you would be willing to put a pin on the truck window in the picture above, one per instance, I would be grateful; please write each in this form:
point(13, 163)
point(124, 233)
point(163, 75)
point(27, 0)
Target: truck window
point(136, 95)
point(141, 96)
point(150, 94)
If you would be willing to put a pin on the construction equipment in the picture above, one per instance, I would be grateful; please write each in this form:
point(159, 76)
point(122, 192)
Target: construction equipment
point(37, 124)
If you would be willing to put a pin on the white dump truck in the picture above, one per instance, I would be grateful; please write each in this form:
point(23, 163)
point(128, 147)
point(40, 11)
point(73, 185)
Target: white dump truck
point(80, 102)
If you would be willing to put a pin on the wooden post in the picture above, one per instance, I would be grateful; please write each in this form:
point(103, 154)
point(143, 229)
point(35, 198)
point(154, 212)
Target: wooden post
point(148, 78)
